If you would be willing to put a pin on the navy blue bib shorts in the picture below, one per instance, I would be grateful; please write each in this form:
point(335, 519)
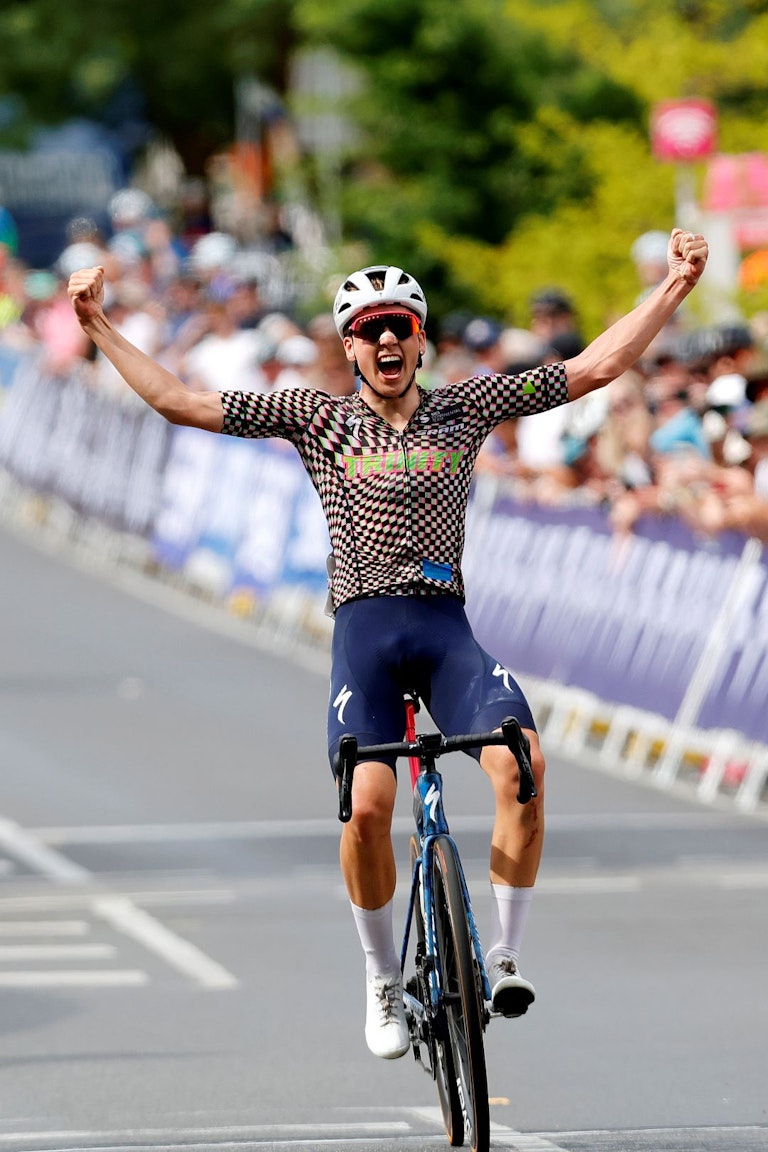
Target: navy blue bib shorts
point(386, 645)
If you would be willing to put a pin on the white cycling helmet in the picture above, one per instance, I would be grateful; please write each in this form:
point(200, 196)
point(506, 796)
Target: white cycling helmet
point(380, 284)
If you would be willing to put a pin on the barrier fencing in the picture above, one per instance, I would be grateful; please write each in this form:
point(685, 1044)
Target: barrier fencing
point(647, 655)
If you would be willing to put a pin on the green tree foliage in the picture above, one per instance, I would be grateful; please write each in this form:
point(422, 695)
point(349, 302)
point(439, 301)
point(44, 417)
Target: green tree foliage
point(181, 56)
point(507, 144)
point(454, 91)
point(502, 144)
point(663, 50)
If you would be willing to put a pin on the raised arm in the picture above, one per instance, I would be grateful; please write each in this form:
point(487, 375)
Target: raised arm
point(621, 345)
point(154, 384)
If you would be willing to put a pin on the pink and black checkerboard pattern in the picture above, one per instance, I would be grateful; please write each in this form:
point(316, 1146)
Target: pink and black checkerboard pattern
point(395, 501)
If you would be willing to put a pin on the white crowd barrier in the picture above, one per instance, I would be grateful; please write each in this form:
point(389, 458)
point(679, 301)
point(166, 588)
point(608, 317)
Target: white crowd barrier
point(647, 656)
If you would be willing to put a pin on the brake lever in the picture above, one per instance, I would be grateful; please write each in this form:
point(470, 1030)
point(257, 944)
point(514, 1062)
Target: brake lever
point(347, 761)
point(520, 747)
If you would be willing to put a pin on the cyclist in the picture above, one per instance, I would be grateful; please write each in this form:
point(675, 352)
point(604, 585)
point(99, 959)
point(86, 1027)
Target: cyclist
point(392, 464)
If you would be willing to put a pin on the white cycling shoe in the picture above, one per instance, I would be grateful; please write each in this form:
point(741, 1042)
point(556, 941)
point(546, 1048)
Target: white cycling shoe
point(386, 1028)
point(511, 993)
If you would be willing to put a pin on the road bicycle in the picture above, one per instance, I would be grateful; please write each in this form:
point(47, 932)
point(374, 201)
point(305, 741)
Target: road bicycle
point(448, 995)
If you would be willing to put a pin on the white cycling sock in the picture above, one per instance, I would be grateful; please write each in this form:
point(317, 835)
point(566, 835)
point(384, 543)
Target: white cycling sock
point(509, 915)
point(376, 932)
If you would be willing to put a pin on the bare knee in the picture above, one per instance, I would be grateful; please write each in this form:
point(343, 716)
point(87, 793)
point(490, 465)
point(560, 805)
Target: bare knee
point(503, 771)
point(373, 800)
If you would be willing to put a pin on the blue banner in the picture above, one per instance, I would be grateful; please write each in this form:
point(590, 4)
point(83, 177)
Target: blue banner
point(553, 593)
point(241, 514)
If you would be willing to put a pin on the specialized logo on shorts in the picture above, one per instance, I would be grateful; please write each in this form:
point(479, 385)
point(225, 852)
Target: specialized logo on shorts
point(425, 461)
point(529, 387)
point(341, 702)
point(502, 672)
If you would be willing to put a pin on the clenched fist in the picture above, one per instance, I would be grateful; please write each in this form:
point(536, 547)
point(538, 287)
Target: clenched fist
point(687, 255)
point(86, 293)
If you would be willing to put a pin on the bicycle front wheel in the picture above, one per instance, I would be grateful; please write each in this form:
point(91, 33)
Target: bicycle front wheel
point(460, 997)
point(441, 1055)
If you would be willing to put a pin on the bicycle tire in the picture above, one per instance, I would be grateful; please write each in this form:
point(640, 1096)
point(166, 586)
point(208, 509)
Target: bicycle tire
point(465, 1030)
point(441, 1055)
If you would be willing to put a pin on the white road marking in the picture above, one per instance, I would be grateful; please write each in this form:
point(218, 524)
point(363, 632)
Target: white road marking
point(183, 1137)
point(44, 928)
point(320, 827)
point(555, 886)
point(56, 952)
point(74, 978)
point(502, 1136)
point(119, 911)
point(745, 880)
point(30, 850)
point(82, 901)
point(123, 914)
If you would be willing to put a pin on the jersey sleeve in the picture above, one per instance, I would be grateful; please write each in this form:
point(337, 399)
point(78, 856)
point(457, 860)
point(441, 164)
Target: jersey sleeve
point(257, 415)
point(495, 398)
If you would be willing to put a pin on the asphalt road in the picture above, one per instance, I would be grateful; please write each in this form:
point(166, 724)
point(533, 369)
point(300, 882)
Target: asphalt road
point(178, 966)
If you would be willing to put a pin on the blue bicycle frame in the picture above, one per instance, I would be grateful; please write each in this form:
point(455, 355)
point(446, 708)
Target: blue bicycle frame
point(431, 822)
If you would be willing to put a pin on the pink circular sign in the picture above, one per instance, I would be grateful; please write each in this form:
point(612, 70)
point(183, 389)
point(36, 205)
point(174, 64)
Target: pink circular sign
point(683, 130)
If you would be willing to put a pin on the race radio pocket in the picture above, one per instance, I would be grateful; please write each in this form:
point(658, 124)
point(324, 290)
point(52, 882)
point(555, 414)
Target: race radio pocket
point(434, 571)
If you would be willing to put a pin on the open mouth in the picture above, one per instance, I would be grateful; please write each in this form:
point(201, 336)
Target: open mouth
point(389, 365)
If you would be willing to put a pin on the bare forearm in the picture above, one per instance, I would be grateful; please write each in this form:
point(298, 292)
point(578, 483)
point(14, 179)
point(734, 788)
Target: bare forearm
point(154, 384)
point(621, 345)
point(624, 342)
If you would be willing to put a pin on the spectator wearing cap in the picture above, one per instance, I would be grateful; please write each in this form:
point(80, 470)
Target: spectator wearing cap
point(554, 322)
point(649, 255)
point(85, 248)
point(246, 304)
point(481, 338)
point(732, 357)
point(130, 209)
point(721, 355)
point(296, 356)
point(450, 332)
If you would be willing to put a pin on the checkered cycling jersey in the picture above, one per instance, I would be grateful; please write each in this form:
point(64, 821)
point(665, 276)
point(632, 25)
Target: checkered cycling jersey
point(395, 501)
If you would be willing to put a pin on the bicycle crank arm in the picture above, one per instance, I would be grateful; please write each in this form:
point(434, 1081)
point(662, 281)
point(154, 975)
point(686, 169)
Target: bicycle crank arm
point(414, 1008)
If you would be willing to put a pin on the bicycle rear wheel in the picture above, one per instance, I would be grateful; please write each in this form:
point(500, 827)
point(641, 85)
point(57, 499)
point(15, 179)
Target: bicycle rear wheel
point(441, 1055)
point(462, 1006)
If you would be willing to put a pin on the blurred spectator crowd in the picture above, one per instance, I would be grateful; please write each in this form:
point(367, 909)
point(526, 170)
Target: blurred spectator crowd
point(684, 433)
